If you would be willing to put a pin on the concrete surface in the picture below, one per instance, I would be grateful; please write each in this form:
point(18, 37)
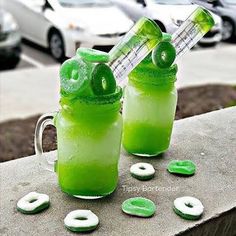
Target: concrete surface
point(209, 140)
point(210, 66)
point(30, 91)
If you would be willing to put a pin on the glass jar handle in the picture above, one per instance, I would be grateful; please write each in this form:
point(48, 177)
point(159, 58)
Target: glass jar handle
point(43, 122)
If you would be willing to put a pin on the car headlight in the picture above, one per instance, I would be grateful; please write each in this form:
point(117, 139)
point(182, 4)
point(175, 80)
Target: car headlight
point(76, 27)
point(9, 23)
point(177, 22)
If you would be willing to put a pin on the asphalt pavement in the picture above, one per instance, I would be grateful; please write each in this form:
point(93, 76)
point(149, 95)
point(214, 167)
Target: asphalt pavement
point(35, 56)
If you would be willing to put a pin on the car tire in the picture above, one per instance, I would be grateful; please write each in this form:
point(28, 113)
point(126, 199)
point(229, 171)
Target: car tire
point(206, 45)
point(228, 30)
point(161, 25)
point(56, 46)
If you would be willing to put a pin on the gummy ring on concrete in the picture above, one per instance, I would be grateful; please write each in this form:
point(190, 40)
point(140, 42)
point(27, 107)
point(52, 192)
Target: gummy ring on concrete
point(33, 203)
point(102, 80)
point(142, 171)
point(92, 55)
point(164, 55)
point(189, 208)
point(81, 221)
point(74, 76)
point(139, 206)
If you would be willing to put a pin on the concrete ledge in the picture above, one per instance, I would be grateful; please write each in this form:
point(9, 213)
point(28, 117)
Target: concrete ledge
point(209, 140)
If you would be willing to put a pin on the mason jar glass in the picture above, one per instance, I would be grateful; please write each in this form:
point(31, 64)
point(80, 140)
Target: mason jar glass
point(149, 109)
point(89, 140)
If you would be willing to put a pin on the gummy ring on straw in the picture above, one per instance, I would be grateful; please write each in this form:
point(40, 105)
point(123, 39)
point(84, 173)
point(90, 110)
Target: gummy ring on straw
point(142, 171)
point(102, 80)
point(189, 208)
point(166, 37)
point(74, 75)
point(81, 221)
point(164, 55)
point(33, 203)
point(92, 55)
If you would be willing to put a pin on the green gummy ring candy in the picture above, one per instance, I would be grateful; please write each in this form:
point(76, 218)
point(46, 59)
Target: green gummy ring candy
point(142, 171)
point(164, 55)
point(189, 208)
point(81, 221)
point(166, 37)
point(33, 203)
point(92, 55)
point(139, 206)
point(74, 76)
point(103, 81)
point(184, 167)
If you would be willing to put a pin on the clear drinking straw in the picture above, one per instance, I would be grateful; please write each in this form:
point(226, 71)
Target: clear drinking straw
point(133, 48)
point(145, 35)
point(192, 30)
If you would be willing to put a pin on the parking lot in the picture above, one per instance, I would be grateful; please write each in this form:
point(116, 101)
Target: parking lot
point(34, 56)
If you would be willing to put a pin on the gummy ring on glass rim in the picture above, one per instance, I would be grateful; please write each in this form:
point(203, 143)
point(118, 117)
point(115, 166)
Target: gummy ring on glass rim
point(92, 55)
point(33, 203)
point(81, 221)
point(74, 76)
point(102, 80)
point(142, 171)
point(164, 54)
point(188, 208)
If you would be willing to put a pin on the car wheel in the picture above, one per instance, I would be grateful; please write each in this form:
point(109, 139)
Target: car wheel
point(228, 30)
point(10, 63)
point(206, 45)
point(56, 46)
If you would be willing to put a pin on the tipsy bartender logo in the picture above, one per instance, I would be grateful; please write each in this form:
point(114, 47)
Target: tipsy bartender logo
point(145, 188)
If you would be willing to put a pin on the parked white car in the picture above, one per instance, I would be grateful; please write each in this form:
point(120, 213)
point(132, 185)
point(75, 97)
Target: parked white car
point(65, 25)
point(10, 41)
point(169, 15)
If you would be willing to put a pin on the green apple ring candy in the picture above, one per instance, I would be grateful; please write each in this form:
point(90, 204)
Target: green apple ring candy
point(92, 55)
point(166, 37)
point(139, 206)
point(188, 208)
point(74, 75)
point(81, 221)
point(102, 80)
point(164, 55)
point(142, 171)
point(32, 203)
point(184, 167)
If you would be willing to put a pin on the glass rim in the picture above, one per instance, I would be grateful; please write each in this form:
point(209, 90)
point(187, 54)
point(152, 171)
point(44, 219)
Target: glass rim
point(160, 77)
point(96, 100)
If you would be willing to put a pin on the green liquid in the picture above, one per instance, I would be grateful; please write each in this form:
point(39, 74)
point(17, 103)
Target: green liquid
point(149, 112)
point(89, 149)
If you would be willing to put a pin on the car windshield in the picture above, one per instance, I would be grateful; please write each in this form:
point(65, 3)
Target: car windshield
point(231, 2)
point(72, 3)
point(172, 2)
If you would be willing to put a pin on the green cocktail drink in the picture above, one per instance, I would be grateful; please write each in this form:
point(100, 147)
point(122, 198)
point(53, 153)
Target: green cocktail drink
point(88, 125)
point(149, 109)
point(89, 136)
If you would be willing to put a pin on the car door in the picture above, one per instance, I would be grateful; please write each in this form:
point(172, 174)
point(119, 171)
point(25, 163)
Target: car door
point(30, 17)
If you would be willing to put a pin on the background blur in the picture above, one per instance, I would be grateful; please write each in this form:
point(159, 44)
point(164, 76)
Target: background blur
point(36, 36)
